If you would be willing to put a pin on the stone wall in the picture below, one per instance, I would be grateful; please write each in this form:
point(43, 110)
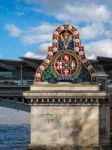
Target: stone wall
point(64, 125)
point(104, 123)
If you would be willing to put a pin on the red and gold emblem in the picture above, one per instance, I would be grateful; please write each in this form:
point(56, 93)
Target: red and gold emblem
point(66, 58)
point(66, 72)
point(66, 64)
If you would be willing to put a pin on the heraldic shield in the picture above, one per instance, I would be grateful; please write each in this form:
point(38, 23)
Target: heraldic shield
point(65, 61)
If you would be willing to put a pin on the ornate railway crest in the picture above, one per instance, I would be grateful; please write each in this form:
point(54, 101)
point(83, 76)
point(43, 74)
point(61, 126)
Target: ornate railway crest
point(66, 64)
point(66, 60)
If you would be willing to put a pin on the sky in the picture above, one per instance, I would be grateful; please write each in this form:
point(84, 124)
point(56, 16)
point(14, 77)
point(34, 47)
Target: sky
point(26, 28)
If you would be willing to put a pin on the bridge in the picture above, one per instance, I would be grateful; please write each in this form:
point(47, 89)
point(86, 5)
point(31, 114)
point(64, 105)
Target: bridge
point(14, 105)
point(11, 97)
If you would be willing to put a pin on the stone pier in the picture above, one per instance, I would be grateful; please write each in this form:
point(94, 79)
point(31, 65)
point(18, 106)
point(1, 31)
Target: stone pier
point(64, 118)
point(68, 110)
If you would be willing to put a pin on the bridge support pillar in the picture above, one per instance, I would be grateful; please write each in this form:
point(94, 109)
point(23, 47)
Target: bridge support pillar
point(64, 119)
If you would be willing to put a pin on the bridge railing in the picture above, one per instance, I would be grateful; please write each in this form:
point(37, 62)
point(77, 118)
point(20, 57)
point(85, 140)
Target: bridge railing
point(15, 104)
point(16, 82)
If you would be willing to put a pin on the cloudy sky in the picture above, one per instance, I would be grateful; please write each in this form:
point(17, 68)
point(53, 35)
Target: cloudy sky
point(26, 26)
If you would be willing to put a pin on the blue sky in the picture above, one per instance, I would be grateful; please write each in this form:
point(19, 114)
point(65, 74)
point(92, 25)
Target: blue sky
point(26, 26)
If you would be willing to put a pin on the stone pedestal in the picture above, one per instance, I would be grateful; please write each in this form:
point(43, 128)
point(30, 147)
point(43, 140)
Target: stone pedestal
point(65, 125)
point(65, 116)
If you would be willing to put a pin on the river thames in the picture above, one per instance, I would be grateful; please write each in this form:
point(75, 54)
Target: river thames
point(14, 137)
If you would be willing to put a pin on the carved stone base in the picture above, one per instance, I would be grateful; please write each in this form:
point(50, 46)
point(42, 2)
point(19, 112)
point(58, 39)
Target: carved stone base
point(62, 118)
point(67, 147)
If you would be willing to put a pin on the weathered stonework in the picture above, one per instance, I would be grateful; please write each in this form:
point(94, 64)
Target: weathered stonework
point(67, 119)
point(59, 126)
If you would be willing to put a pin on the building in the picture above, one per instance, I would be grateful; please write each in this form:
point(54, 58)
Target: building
point(16, 76)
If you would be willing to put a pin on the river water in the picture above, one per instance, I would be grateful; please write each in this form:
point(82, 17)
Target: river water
point(14, 137)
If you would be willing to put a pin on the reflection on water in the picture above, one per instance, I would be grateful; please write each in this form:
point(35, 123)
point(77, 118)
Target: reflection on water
point(14, 137)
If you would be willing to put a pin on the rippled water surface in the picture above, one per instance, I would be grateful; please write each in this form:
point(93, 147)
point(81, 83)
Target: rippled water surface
point(14, 137)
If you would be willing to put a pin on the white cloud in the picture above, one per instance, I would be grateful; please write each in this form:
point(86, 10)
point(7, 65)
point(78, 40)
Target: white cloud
point(44, 47)
point(30, 54)
point(45, 27)
point(39, 34)
point(92, 56)
point(35, 38)
point(85, 13)
point(13, 30)
point(55, 6)
point(33, 55)
point(99, 48)
point(75, 11)
point(33, 35)
point(92, 31)
point(41, 52)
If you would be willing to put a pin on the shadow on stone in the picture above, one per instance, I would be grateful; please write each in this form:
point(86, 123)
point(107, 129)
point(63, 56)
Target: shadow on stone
point(67, 147)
